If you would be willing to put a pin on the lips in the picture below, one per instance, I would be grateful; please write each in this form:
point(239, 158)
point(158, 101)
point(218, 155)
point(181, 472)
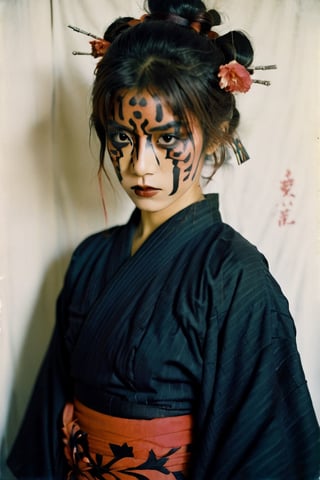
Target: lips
point(145, 191)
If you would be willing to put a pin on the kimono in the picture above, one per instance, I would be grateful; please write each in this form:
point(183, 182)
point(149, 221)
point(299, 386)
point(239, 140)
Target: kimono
point(193, 322)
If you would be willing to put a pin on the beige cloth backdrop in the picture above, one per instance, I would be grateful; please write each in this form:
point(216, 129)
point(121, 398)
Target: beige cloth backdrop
point(49, 196)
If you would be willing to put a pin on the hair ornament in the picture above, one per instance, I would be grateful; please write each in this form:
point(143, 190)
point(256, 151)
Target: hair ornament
point(84, 32)
point(212, 35)
point(234, 77)
point(195, 25)
point(267, 83)
point(239, 150)
point(170, 17)
point(263, 67)
point(99, 45)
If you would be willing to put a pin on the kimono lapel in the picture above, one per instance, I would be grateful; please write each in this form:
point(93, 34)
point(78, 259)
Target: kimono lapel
point(129, 296)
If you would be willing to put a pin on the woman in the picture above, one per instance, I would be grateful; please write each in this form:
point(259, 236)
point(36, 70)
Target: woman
point(174, 354)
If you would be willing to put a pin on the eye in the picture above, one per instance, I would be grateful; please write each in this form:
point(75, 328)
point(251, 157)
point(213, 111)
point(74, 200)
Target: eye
point(168, 140)
point(120, 138)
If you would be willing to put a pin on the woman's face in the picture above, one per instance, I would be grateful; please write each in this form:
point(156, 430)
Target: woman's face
point(157, 161)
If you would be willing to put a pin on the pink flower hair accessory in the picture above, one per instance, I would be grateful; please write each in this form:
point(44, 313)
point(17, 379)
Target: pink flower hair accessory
point(234, 77)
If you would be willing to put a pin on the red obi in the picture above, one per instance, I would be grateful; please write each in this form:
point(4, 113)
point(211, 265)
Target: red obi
point(99, 446)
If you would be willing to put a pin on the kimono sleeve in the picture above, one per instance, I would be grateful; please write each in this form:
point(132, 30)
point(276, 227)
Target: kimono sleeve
point(255, 417)
point(37, 452)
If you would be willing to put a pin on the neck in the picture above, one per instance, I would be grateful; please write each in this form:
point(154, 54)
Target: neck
point(150, 221)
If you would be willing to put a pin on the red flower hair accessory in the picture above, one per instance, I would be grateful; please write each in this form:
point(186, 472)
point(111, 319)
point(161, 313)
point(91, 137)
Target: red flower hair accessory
point(99, 47)
point(234, 77)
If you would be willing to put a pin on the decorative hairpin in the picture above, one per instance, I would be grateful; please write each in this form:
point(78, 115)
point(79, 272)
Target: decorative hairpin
point(98, 45)
point(84, 32)
point(239, 150)
point(267, 83)
point(235, 77)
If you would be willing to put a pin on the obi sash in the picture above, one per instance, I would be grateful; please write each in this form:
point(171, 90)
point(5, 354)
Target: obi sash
point(100, 446)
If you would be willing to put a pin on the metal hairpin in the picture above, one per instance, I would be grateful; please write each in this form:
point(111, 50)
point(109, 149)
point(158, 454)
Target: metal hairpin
point(84, 32)
point(267, 83)
point(265, 67)
point(81, 53)
point(79, 30)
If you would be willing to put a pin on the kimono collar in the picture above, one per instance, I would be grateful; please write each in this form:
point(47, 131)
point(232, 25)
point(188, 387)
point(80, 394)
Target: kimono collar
point(197, 216)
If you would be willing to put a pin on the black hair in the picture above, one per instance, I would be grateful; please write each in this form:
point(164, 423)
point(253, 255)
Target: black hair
point(118, 26)
point(167, 57)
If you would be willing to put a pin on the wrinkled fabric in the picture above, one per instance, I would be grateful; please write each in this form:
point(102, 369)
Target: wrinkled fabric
point(192, 323)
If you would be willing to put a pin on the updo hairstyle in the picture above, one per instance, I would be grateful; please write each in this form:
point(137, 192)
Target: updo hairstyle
point(172, 54)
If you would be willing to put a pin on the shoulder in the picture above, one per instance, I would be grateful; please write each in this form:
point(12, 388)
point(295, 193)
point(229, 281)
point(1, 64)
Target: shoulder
point(88, 253)
point(227, 250)
point(95, 242)
point(240, 273)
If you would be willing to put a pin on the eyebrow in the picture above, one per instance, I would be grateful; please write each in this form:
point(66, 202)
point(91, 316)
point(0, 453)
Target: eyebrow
point(176, 125)
point(113, 123)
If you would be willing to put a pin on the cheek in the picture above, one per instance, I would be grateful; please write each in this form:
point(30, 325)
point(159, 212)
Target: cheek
point(115, 156)
point(185, 162)
point(119, 157)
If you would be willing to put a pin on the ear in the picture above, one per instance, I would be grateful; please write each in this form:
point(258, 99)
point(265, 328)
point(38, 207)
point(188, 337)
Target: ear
point(225, 126)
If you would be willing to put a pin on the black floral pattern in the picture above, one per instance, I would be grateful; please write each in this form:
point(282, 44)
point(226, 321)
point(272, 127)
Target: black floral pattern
point(87, 466)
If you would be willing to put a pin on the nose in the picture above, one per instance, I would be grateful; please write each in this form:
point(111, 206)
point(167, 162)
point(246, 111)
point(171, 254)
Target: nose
point(144, 160)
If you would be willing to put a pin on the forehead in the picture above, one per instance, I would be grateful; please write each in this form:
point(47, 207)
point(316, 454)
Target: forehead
point(141, 105)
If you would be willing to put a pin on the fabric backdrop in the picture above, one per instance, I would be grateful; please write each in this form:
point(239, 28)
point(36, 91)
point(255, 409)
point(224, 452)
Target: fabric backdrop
point(49, 195)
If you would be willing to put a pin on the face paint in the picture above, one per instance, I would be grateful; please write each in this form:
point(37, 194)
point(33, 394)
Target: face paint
point(155, 158)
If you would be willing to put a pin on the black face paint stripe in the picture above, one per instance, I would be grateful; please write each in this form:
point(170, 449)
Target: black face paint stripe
point(133, 124)
point(175, 125)
point(159, 112)
point(176, 175)
point(142, 102)
point(120, 104)
point(187, 171)
point(115, 156)
point(143, 127)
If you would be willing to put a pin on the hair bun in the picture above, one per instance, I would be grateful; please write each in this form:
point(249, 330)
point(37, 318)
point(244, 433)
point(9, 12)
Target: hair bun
point(236, 46)
point(117, 27)
point(215, 17)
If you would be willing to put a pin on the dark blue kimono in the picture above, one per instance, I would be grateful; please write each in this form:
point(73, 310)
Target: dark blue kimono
point(192, 322)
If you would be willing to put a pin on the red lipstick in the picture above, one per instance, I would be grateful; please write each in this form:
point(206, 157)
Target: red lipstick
point(145, 191)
